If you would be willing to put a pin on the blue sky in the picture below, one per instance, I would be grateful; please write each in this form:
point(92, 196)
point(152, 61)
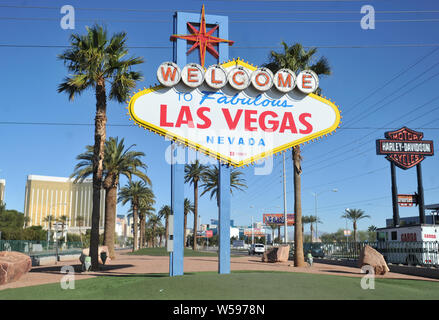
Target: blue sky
point(363, 62)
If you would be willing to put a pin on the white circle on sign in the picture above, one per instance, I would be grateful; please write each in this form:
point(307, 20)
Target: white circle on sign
point(216, 76)
point(262, 79)
point(284, 80)
point(192, 75)
point(307, 81)
point(238, 78)
point(168, 74)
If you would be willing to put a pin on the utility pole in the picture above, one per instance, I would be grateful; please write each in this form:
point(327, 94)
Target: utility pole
point(285, 202)
point(253, 233)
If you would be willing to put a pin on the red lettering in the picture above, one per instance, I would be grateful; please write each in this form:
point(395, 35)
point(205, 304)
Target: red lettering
point(168, 73)
point(191, 75)
point(202, 116)
point(213, 77)
point(232, 123)
point(266, 79)
point(304, 81)
point(274, 123)
point(284, 82)
point(249, 120)
point(185, 117)
point(234, 78)
point(288, 123)
point(302, 120)
point(163, 123)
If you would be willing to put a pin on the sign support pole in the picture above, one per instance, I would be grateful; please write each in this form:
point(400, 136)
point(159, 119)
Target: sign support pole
point(420, 194)
point(394, 196)
point(224, 218)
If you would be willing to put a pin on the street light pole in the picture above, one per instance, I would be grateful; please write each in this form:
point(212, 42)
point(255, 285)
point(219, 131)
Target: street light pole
point(315, 211)
point(253, 233)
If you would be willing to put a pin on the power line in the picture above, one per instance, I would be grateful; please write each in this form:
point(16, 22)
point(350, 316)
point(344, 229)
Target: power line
point(371, 46)
point(225, 11)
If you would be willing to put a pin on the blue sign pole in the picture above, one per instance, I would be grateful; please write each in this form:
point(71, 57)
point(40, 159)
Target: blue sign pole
point(180, 47)
point(224, 218)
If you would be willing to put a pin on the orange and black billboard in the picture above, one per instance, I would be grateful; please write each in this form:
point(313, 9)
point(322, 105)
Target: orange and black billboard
point(404, 147)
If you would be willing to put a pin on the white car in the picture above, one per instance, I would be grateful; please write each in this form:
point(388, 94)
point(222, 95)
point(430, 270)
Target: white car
point(256, 249)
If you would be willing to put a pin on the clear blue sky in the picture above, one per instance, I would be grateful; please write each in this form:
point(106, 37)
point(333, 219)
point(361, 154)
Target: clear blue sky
point(363, 63)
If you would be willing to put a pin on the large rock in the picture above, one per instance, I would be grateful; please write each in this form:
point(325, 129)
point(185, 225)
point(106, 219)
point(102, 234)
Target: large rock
point(101, 249)
point(277, 254)
point(13, 265)
point(369, 256)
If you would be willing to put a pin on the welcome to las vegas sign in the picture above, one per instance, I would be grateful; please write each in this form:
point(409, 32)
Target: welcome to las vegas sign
point(234, 111)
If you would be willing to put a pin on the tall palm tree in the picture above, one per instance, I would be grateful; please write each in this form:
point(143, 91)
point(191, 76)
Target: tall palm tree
point(296, 58)
point(118, 160)
point(63, 220)
point(92, 61)
point(161, 232)
point(145, 209)
point(312, 220)
point(210, 182)
point(80, 223)
point(165, 212)
point(193, 174)
point(154, 223)
point(49, 219)
point(188, 207)
point(134, 192)
point(273, 227)
point(354, 215)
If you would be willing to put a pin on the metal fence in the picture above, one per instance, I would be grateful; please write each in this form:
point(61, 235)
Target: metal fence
point(40, 248)
point(395, 252)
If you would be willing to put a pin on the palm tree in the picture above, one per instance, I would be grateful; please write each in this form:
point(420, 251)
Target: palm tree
point(49, 219)
point(63, 220)
point(161, 232)
point(273, 227)
point(118, 160)
point(312, 220)
point(154, 222)
point(354, 215)
point(210, 182)
point(188, 207)
point(93, 60)
point(305, 220)
point(372, 228)
point(133, 192)
point(296, 58)
point(193, 174)
point(80, 223)
point(145, 209)
point(165, 212)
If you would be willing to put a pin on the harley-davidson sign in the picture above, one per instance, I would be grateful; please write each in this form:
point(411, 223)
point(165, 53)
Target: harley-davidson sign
point(404, 147)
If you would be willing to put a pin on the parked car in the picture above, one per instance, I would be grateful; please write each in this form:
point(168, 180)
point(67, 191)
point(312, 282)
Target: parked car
point(256, 249)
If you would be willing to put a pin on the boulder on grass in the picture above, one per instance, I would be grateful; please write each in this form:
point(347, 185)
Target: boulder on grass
point(101, 249)
point(277, 254)
point(13, 265)
point(369, 256)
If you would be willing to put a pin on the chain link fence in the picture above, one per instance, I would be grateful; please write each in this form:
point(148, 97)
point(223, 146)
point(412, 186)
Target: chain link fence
point(41, 248)
point(424, 253)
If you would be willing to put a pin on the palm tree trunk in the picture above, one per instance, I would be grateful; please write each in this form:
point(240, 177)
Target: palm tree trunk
point(299, 260)
point(194, 245)
point(278, 233)
point(134, 227)
point(142, 231)
point(312, 232)
point(110, 219)
point(98, 157)
point(355, 231)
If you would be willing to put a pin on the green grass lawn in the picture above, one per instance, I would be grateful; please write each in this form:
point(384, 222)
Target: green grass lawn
point(246, 285)
point(163, 252)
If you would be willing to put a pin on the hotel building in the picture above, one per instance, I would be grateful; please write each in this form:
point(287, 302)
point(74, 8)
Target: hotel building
point(58, 197)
